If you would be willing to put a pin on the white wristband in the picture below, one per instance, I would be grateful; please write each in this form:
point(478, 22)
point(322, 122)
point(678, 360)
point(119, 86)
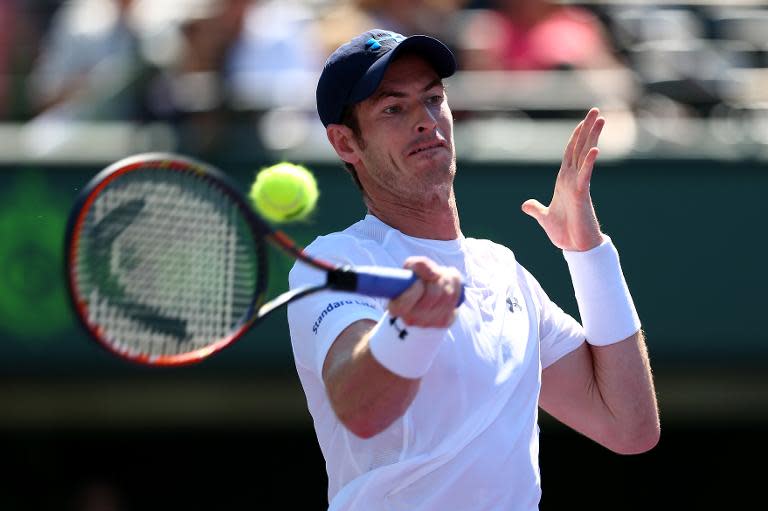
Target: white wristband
point(407, 351)
point(607, 311)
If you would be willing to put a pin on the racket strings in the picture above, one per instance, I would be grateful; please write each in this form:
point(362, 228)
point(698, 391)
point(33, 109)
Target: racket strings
point(171, 267)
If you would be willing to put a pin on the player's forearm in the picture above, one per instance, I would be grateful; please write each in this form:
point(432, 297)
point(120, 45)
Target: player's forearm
point(624, 386)
point(621, 382)
point(366, 397)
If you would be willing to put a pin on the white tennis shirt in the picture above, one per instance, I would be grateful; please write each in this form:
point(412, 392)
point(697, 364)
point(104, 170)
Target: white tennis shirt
point(469, 440)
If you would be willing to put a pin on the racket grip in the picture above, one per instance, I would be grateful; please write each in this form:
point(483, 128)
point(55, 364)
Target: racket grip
point(387, 282)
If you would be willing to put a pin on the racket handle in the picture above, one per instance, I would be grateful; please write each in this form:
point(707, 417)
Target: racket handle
point(381, 281)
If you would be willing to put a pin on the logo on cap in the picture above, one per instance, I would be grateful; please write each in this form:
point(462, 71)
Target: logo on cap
point(374, 43)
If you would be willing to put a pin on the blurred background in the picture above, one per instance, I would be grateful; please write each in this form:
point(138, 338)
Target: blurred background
point(680, 186)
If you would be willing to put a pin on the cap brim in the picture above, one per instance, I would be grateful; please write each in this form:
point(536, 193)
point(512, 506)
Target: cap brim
point(433, 51)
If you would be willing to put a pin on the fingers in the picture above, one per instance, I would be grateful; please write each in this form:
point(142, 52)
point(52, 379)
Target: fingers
point(585, 173)
point(431, 300)
point(569, 148)
point(584, 133)
point(587, 138)
point(424, 268)
point(534, 208)
point(594, 136)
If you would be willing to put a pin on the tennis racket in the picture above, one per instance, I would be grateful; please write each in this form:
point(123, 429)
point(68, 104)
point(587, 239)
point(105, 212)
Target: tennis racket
point(166, 261)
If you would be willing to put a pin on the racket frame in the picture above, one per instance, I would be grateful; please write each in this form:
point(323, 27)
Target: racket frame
point(260, 230)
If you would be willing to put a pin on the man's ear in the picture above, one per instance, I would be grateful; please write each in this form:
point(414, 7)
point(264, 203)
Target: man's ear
point(344, 142)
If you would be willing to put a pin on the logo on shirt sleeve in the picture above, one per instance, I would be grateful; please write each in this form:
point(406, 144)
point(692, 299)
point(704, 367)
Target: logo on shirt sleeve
point(333, 306)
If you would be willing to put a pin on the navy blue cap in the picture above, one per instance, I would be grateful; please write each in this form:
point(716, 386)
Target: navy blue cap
point(354, 71)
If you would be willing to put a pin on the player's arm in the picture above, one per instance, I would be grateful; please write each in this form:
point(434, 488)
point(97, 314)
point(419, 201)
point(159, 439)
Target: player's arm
point(369, 385)
point(366, 396)
point(605, 393)
point(604, 388)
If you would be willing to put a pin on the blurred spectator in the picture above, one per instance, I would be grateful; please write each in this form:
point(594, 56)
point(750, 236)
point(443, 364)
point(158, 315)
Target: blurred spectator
point(351, 17)
point(7, 36)
point(534, 35)
point(274, 38)
point(274, 55)
point(89, 65)
point(18, 46)
point(224, 57)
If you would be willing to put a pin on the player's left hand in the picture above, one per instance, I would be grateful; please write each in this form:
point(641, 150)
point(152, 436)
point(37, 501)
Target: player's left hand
point(569, 220)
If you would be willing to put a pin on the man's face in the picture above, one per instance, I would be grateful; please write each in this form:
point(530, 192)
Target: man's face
point(406, 126)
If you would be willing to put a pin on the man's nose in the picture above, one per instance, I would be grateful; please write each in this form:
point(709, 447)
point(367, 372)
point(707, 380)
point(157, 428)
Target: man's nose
point(426, 120)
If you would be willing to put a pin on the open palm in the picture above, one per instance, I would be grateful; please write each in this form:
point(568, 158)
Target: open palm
point(569, 220)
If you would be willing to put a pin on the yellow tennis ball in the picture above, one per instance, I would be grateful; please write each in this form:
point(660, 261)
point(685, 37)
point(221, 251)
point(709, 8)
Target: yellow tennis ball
point(284, 192)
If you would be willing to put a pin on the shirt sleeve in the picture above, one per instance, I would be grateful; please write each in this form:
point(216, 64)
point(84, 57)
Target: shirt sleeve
point(317, 320)
point(560, 333)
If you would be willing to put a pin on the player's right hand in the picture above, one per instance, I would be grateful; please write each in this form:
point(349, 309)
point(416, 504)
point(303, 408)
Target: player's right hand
point(431, 301)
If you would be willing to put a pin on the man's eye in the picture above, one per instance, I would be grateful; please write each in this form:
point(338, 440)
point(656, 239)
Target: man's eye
point(393, 109)
point(436, 99)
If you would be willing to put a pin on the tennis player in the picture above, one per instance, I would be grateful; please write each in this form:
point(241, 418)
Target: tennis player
point(418, 403)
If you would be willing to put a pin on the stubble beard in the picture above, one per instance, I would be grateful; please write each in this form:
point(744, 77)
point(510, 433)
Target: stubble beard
point(425, 188)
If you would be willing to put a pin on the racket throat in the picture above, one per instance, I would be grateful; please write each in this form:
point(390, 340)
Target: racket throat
point(286, 298)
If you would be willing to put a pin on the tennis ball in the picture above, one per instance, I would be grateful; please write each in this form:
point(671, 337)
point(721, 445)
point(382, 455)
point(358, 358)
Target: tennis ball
point(284, 192)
